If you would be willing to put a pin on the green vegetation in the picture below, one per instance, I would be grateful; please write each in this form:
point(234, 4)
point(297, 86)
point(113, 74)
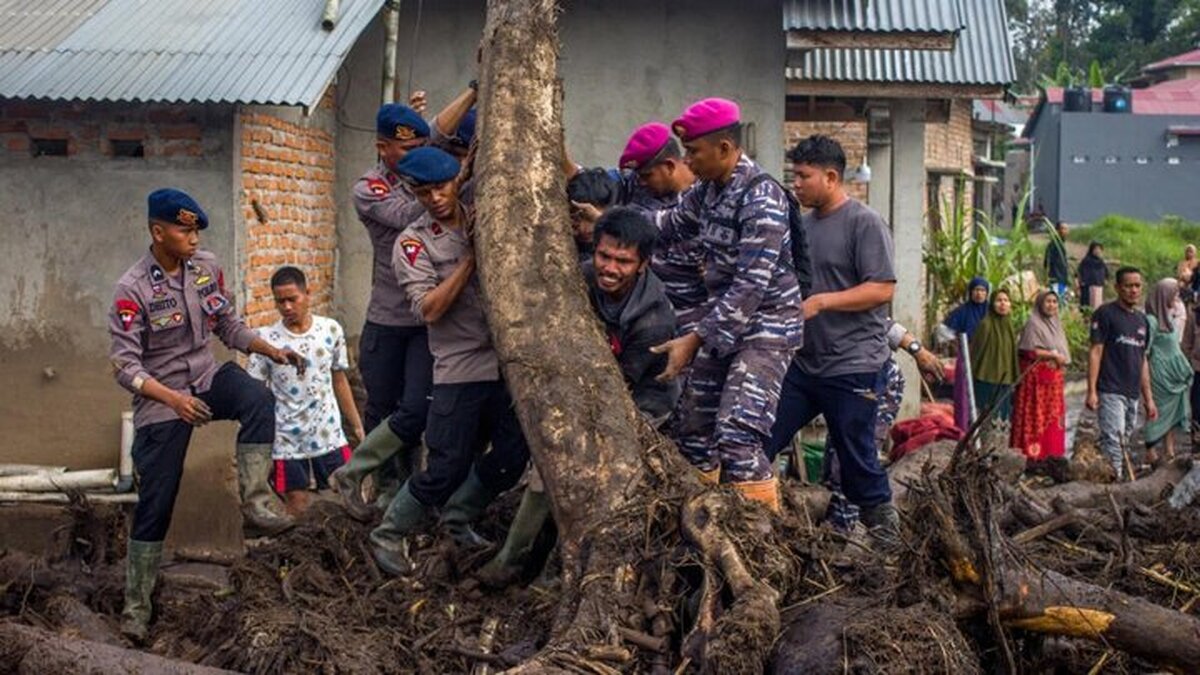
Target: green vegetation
point(1155, 248)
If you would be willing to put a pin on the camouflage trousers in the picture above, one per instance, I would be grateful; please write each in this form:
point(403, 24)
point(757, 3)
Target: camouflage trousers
point(727, 409)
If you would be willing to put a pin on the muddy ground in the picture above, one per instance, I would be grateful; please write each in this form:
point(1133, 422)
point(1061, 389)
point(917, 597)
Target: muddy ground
point(312, 600)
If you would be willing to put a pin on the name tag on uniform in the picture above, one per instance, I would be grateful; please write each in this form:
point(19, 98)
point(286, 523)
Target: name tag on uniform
point(720, 232)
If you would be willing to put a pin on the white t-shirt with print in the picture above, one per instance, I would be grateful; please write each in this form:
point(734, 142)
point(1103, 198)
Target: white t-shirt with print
point(307, 419)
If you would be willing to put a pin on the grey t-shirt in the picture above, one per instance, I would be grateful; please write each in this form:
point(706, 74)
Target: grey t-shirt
point(850, 246)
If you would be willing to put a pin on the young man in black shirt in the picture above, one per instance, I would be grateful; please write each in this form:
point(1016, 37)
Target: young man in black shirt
point(1118, 373)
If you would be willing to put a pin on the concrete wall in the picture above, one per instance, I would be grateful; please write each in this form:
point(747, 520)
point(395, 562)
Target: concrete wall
point(358, 94)
point(70, 226)
point(624, 62)
point(1149, 190)
point(1046, 161)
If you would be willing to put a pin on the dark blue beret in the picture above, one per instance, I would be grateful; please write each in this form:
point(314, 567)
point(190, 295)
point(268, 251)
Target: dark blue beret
point(466, 129)
point(175, 206)
point(426, 165)
point(400, 122)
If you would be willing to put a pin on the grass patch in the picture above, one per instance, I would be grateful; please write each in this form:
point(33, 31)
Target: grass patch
point(1155, 248)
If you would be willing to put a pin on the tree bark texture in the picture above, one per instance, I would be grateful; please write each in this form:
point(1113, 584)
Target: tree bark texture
point(602, 466)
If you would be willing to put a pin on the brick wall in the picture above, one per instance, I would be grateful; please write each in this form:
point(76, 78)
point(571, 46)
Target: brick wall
point(852, 136)
point(948, 144)
point(287, 169)
point(97, 130)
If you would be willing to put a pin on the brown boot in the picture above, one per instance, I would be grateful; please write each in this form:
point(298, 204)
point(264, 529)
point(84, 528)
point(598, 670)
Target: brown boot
point(765, 492)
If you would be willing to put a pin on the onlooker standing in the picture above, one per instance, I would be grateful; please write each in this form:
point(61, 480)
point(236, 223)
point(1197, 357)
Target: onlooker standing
point(1039, 411)
point(963, 321)
point(1093, 275)
point(309, 442)
point(1118, 373)
point(1187, 267)
point(1055, 260)
point(1191, 348)
point(1170, 371)
point(994, 358)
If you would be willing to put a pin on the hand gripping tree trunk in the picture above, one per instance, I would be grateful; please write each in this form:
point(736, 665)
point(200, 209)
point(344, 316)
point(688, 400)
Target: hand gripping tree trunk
point(609, 476)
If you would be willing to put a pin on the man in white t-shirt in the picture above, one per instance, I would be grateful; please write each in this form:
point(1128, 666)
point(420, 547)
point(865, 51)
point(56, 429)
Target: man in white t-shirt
point(309, 408)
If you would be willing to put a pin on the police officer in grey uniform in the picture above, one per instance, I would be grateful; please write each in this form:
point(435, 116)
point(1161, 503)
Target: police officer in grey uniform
point(165, 308)
point(471, 406)
point(394, 356)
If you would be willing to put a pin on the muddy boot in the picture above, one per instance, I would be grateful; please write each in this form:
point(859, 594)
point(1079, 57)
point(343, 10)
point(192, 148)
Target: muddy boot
point(390, 541)
point(141, 571)
point(509, 563)
point(464, 508)
point(262, 510)
point(374, 450)
point(765, 492)
point(883, 528)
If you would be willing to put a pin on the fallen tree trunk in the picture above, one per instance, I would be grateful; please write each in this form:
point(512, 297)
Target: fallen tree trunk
point(616, 487)
point(27, 651)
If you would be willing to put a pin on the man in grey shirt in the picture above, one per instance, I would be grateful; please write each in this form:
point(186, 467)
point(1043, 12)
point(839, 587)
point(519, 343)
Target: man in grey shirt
point(839, 370)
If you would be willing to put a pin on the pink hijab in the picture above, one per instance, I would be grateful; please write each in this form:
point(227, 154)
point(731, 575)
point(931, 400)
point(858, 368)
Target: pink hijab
point(1043, 331)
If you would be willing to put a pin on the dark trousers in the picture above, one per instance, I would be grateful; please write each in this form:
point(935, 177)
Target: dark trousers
point(463, 420)
point(159, 449)
point(1195, 401)
point(397, 372)
point(849, 404)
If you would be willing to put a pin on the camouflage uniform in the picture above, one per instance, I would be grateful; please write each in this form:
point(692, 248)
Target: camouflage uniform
point(751, 325)
point(678, 264)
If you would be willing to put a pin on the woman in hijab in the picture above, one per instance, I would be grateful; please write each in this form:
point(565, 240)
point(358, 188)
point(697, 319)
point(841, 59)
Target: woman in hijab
point(994, 357)
point(963, 320)
point(1170, 372)
point(1093, 275)
point(1039, 409)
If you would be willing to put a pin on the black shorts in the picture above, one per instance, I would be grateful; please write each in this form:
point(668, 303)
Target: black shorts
point(310, 473)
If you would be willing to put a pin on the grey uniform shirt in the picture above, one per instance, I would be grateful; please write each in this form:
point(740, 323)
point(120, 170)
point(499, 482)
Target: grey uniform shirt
point(848, 247)
point(386, 207)
point(425, 255)
point(160, 325)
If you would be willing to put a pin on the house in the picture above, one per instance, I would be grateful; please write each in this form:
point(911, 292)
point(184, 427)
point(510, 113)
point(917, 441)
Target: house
point(265, 113)
point(905, 116)
point(1141, 160)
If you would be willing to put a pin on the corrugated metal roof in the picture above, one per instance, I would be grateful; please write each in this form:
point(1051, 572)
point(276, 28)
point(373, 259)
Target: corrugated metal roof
point(232, 51)
point(982, 55)
point(910, 16)
point(1191, 58)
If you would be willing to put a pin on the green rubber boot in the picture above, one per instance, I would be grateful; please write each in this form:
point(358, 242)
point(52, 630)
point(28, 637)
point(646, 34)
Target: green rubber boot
point(390, 541)
point(509, 563)
point(141, 571)
point(262, 510)
point(464, 508)
point(373, 452)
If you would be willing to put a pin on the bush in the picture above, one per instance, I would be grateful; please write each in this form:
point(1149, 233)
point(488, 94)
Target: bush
point(1155, 248)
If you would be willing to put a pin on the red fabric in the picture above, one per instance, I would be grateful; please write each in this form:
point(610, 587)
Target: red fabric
point(280, 477)
point(1039, 410)
point(911, 435)
point(346, 452)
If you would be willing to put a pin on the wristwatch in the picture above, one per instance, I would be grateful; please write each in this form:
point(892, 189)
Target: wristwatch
point(914, 347)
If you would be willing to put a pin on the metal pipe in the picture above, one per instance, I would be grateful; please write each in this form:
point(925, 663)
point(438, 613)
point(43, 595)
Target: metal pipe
point(391, 35)
point(330, 15)
point(125, 464)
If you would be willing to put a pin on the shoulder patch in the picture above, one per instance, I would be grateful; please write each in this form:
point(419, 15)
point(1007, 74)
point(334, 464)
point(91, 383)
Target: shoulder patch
point(127, 311)
point(378, 187)
point(412, 248)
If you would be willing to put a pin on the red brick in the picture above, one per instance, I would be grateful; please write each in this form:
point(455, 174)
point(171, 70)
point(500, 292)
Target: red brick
point(8, 126)
point(17, 144)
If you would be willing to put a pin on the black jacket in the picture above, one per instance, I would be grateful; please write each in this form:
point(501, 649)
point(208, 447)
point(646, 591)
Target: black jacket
point(643, 319)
